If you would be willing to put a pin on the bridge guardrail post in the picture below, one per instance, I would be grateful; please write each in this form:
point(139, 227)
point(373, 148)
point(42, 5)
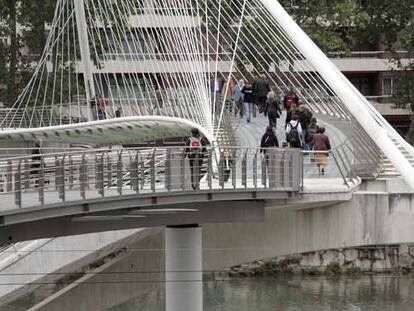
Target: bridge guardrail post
point(221, 169)
point(96, 168)
point(210, 169)
point(82, 177)
point(255, 170)
point(56, 173)
point(100, 174)
point(119, 174)
point(18, 185)
point(109, 170)
point(71, 172)
point(302, 172)
point(42, 182)
point(296, 170)
point(152, 170)
point(234, 169)
point(182, 169)
point(244, 169)
point(264, 172)
point(168, 170)
point(26, 174)
point(60, 178)
point(282, 182)
point(271, 155)
point(9, 176)
point(141, 171)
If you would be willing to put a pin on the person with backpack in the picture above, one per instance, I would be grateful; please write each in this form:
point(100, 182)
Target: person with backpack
point(294, 132)
point(321, 143)
point(248, 94)
point(269, 140)
point(195, 152)
point(272, 108)
point(290, 99)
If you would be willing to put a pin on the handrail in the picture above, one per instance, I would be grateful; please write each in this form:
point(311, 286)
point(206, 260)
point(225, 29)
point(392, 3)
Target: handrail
point(34, 180)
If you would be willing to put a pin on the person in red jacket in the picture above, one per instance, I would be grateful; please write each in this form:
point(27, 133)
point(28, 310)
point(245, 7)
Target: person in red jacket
point(321, 143)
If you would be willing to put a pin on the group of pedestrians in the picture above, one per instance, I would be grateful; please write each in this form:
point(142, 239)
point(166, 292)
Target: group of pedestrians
point(301, 128)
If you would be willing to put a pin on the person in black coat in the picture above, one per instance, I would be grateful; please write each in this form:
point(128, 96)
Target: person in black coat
point(249, 98)
point(269, 140)
point(272, 108)
point(261, 89)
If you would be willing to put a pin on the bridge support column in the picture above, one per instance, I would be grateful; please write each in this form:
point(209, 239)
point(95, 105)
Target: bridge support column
point(183, 268)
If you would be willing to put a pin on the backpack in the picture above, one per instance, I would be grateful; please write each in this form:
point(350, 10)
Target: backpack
point(293, 136)
point(195, 146)
point(270, 141)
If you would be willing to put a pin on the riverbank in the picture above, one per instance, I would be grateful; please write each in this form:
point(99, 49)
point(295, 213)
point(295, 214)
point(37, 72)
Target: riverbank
point(352, 261)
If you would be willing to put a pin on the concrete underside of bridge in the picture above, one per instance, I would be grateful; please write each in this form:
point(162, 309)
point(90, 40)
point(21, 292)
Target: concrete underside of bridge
point(368, 218)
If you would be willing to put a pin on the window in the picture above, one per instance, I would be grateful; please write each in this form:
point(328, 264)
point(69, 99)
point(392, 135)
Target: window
point(388, 86)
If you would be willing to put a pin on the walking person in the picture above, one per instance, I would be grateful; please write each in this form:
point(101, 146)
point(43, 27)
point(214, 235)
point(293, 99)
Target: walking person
point(305, 116)
point(269, 140)
point(248, 100)
point(289, 114)
point(195, 152)
point(321, 143)
point(261, 89)
point(272, 108)
point(239, 98)
point(290, 99)
point(312, 130)
point(294, 133)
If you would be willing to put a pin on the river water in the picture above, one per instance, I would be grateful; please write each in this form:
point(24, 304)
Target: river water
point(291, 293)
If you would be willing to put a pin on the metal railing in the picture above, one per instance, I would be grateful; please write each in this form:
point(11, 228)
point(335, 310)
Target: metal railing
point(30, 181)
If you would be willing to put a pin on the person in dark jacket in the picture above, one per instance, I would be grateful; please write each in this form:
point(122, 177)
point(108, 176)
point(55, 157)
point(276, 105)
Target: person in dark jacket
point(272, 108)
point(195, 152)
point(269, 140)
point(248, 100)
point(312, 130)
point(261, 89)
point(321, 143)
point(305, 116)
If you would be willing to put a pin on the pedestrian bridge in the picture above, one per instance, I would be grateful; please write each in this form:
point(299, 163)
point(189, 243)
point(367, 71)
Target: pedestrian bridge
point(106, 189)
point(121, 72)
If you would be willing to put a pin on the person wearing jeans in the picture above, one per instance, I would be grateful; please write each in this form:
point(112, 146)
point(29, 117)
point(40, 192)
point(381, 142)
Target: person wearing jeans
point(248, 100)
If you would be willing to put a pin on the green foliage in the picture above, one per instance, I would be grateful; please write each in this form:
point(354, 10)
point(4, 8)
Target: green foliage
point(334, 267)
point(15, 70)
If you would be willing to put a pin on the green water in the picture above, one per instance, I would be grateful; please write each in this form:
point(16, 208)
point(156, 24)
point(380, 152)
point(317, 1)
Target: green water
point(298, 293)
point(288, 293)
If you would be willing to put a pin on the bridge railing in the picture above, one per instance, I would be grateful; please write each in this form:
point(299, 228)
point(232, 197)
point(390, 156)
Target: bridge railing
point(33, 180)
